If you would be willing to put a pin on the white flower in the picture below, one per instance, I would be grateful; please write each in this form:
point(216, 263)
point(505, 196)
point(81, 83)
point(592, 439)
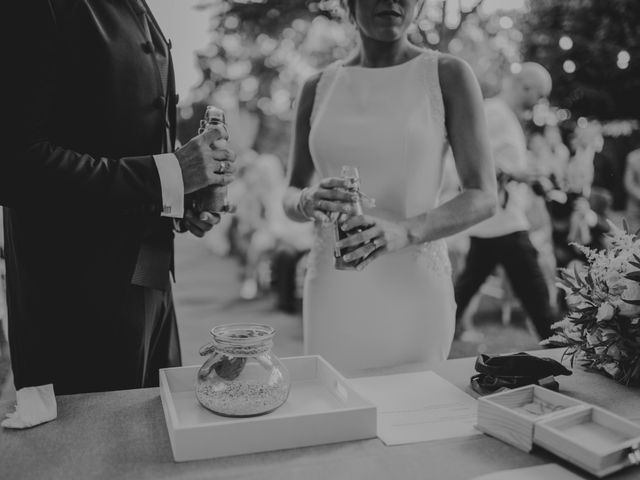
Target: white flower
point(594, 338)
point(575, 301)
point(605, 312)
point(631, 292)
point(608, 334)
point(611, 368)
point(614, 352)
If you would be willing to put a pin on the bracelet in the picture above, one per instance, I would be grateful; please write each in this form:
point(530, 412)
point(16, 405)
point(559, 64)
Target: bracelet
point(299, 206)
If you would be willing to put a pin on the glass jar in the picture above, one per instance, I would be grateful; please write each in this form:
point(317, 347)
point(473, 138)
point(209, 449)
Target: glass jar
point(242, 377)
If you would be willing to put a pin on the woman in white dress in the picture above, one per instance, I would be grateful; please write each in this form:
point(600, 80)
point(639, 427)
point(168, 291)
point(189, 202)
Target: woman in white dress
point(387, 110)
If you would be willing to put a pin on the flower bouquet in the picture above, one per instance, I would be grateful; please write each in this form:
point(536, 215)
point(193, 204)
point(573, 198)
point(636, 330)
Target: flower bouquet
point(602, 327)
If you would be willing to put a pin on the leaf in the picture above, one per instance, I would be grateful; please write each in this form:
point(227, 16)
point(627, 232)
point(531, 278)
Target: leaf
point(577, 276)
point(635, 276)
point(625, 226)
point(631, 302)
point(589, 280)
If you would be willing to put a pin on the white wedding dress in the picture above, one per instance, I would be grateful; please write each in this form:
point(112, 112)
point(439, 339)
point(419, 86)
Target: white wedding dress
point(400, 310)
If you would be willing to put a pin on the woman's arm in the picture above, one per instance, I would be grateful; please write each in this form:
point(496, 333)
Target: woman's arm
point(300, 167)
point(465, 122)
point(467, 131)
point(301, 203)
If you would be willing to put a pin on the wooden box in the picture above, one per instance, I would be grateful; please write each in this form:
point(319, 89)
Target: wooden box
point(321, 408)
point(589, 437)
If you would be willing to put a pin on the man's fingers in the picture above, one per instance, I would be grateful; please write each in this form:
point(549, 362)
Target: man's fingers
point(213, 133)
point(209, 219)
point(224, 166)
point(195, 230)
point(221, 179)
point(224, 154)
point(201, 223)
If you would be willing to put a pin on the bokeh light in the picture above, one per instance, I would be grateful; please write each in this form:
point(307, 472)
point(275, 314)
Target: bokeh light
point(506, 22)
point(569, 66)
point(565, 43)
point(623, 59)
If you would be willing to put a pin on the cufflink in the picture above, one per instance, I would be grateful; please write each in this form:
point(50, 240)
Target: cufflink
point(166, 209)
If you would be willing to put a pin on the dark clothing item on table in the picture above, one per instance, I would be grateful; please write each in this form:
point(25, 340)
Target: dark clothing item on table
point(519, 258)
point(88, 253)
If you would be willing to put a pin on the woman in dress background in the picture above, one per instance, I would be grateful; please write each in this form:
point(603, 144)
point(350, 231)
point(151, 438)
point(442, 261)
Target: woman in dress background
point(387, 110)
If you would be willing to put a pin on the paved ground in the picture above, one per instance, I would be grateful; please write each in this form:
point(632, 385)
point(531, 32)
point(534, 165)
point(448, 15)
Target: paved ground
point(207, 294)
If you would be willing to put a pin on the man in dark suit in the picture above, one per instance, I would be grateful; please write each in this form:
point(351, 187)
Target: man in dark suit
point(90, 186)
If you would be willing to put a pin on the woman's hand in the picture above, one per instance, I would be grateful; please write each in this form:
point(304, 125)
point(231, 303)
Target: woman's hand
point(377, 236)
point(329, 197)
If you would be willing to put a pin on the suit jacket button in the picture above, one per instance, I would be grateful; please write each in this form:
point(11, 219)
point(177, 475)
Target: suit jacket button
point(159, 103)
point(169, 44)
point(147, 47)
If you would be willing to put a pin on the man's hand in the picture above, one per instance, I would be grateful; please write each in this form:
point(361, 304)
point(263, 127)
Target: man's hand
point(205, 160)
point(199, 224)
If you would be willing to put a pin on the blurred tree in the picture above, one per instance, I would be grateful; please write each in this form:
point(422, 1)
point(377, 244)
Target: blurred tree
point(261, 50)
point(592, 49)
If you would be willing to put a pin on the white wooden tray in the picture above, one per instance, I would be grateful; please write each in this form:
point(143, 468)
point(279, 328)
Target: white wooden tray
point(321, 408)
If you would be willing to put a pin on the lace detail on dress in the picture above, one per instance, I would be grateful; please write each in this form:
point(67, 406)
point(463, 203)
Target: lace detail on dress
point(435, 256)
point(433, 86)
point(326, 79)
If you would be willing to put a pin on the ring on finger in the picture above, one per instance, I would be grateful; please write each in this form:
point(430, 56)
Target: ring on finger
point(223, 167)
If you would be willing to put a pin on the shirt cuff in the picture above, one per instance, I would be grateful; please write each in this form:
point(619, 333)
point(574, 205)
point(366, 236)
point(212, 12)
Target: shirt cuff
point(171, 184)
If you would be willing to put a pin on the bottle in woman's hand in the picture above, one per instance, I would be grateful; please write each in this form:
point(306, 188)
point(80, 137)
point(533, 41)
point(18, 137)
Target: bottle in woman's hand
point(352, 174)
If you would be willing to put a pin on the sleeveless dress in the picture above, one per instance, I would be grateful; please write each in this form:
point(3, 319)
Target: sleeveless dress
point(389, 123)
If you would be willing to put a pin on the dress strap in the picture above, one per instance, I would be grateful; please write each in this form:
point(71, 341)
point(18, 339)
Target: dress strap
point(327, 77)
point(434, 91)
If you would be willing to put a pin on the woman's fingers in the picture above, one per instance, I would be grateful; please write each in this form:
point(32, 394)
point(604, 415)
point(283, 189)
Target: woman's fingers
point(357, 239)
point(330, 206)
point(339, 195)
point(336, 182)
point(357, 221)
point(375, 254)
point(359, 253)
point(321, 216)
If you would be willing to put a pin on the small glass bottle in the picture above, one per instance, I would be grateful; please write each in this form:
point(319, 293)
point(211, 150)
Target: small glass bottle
point(212, 198)
point(242, 377)
point(352, 174)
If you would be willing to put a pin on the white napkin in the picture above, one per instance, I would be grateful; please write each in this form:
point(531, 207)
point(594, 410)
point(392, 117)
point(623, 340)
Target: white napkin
point(35, 405)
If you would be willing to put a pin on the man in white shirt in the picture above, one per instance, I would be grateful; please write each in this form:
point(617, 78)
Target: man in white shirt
point(504, 238)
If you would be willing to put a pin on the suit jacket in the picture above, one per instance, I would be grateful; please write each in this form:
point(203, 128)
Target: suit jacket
point(88, 110)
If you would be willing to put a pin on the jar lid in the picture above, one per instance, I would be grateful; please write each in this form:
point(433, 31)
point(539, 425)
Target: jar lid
point(243, 339)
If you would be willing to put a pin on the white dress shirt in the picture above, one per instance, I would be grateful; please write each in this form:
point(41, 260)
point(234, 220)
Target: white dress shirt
point(171, 184)
point(509, 150)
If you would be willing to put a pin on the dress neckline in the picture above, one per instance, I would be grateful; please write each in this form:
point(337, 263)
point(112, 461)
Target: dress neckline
point(390, 67)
